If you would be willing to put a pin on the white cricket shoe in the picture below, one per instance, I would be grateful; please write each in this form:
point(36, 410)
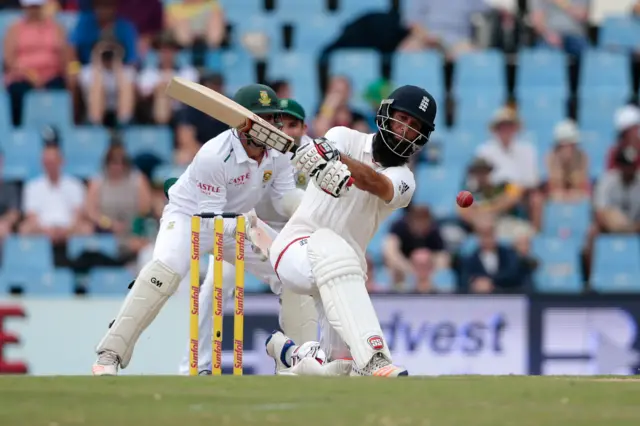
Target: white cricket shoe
point(107, 364)
point(379, 366)
point(277, 346)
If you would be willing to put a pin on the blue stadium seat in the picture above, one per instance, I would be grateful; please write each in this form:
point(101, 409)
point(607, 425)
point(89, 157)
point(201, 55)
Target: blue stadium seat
point(315, 33)
point(359, 7)
point(590, 112)
point(5, 117)
point(566, 220)
point(166, 171)
point(480, 72)
point(423, 69)
point(463, 143)
point(67, 19)
point(445, 281)
point(437, 187)
point(259, 23)
point(254, 285)
point(238, 69)
point(53, 282)
point(595, 145)
point(22, 155)
point(84, 149)
point(155, 140)
point(621, 32)
point(236, 10)
point(361, 66)
point(106, 281)
point(374, 250)
point(300, 70)
point(474, 110)
point(48, 107)
point(106, 244)
point(559, 268)
point(541, 71)
point(382, 278)
point(605, 73)
point(616, 264)
point(540, 113)
point(290, 11)
point(33, 253)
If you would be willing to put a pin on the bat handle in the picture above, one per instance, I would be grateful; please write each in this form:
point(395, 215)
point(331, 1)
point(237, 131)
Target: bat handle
point(293, 149)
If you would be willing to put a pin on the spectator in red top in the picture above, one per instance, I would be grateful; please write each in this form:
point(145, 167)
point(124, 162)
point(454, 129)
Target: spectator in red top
point(627, 122)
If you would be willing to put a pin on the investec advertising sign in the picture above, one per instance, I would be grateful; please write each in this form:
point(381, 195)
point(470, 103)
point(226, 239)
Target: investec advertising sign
point(428, 335)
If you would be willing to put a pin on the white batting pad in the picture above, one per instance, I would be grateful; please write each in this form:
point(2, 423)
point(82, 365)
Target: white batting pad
point(298, 316)
point(348, 308)
point(153, 287)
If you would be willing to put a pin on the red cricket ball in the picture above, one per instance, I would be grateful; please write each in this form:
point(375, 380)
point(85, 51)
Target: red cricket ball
point(464, 199)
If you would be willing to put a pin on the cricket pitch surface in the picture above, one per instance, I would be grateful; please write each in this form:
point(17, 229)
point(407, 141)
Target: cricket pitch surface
point(254, 400)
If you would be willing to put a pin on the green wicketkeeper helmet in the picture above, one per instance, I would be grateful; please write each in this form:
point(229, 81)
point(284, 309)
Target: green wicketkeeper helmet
point(292, 108)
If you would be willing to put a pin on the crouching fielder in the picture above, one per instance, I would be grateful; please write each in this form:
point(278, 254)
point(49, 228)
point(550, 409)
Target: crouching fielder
point(320, 251)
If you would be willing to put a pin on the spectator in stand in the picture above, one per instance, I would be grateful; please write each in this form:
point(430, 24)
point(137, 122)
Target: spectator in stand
point(500, 199)
point(442, 24)
point(117, 198)
point(494, 267)
point(567, 165)
point(561, 23)
point(506, 26)
point(53, 202)
point(424, 266)
point(35, 55)
point(196, 21)
point(152, 82)
point(416, 230)
point(627, 124)
point(194, 128)
point(282, 89)
point(335, 109)
point(147, 16)
point(9, 206)
point(514, 161)
point(617, 195)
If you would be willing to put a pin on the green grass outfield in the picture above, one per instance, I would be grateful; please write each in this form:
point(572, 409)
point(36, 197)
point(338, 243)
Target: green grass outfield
point(232, 401)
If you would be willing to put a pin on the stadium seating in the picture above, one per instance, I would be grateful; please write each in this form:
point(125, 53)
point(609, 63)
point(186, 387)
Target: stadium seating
point(155, 140)
point(33, 282)
point(84, 149)
point(360, 66)
point(105, 244)
point(482, 72)
point(107, 281)
point(22, 155)
point(33, 253)
point(569, 221)
point(559, 267)
point(50, 107)
point(616, 264)
point(619, 32)
point(435, 186)
point(604, 73)
point(541, 70)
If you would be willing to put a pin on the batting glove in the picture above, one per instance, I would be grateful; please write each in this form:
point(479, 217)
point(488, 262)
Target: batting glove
point(313, 157)
point(334, 179)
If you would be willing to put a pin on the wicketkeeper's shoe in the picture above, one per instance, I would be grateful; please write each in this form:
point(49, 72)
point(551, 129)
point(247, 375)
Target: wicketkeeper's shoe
point(107, 364)
point(379, 366)
point(277, 347)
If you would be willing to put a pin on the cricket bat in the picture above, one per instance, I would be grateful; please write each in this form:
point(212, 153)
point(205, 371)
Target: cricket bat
point(229, 112)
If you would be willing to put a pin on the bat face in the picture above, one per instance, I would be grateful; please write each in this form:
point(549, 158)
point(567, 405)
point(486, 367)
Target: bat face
point(229, 112)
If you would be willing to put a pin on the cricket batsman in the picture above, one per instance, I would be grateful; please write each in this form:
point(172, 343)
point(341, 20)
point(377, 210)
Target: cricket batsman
point(230, 173)
point(321, 250)
point(298, 314)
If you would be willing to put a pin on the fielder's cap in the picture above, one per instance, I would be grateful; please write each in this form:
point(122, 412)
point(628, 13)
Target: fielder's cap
point(627, 116)
point(293, 108)
point(566, 132)
point(504, 115)
point(627, 156)
point(26, 3)
point(481, 164)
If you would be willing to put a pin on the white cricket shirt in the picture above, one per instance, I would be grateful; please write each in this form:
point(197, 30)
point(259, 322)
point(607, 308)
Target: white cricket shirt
point(222, 178)
point(265, 209)
point(355, 215)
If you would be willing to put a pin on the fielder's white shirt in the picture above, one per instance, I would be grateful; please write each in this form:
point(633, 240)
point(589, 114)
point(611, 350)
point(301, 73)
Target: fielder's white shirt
point(222, 178)
point(355, 215)
point(265, 209)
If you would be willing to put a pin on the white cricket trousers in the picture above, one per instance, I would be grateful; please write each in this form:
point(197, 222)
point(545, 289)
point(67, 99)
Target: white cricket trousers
point(294, 271)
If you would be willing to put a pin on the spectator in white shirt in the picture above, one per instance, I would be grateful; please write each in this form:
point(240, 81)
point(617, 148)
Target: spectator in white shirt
point(152, 82)
point(52, 203)
point(514, 160)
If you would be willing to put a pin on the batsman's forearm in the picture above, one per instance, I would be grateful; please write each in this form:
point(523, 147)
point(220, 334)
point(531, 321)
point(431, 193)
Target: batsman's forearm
point(368, 179)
